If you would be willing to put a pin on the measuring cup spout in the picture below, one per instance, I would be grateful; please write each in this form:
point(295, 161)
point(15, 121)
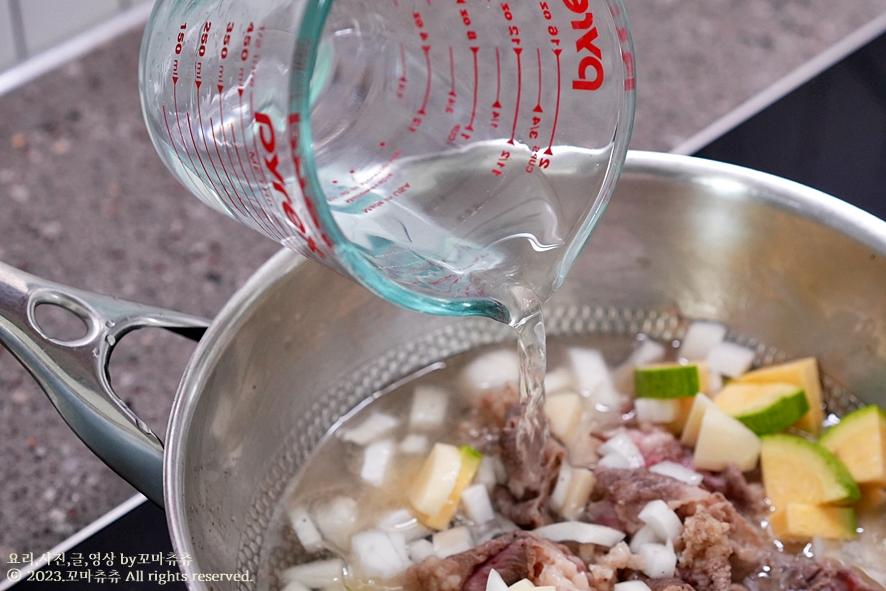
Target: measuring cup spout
point(74, 374)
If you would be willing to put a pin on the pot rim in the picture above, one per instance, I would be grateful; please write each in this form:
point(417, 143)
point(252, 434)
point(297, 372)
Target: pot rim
point(726, 180)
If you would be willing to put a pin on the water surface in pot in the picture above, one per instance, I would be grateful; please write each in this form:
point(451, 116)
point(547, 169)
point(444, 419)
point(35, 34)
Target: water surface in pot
point(335, 466)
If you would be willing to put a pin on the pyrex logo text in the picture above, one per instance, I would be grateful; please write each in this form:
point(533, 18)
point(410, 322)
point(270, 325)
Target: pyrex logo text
point(590, 68)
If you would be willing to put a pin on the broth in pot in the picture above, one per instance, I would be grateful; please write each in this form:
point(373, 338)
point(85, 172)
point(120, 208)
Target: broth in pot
point(665, 468)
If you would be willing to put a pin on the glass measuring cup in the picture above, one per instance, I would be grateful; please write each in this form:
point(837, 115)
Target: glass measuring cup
point(445, 154)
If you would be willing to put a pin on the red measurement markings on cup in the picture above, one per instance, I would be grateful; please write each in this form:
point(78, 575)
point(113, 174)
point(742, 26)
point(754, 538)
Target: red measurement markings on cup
point(537, 108)
point(496, 106)
point(500, 162)
point(554, 33)
point(514, 32)
point(198, 71)
point(627, 57)
point(245, 188)
point(305, 189)
point(470, 126)
point(423, 34)
point(179, 47)
point(371, 183)
point(471, 35)
point(251, 45)
point(624, 37)
point(450, 100)
point(535, 161)
point(549, 151)
point(220, 86)
point(241, 88)
point(272, 163)
point(397, 193)
point(243, 54)
point(294, 139)
point(198, 82)
point(451, 280)
point(202, 49)
point(401, 83)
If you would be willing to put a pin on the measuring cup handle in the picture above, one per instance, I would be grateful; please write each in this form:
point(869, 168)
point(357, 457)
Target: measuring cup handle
point(74, 374)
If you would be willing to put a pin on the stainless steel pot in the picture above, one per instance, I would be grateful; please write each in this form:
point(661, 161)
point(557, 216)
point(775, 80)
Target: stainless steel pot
point(792, 271)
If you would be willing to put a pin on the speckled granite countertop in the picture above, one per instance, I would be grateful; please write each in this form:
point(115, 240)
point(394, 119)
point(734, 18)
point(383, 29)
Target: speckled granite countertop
point(84, 200)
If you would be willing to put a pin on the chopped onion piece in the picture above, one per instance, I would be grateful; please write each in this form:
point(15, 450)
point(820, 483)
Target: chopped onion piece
point(376, 457)
point(648, 352)
point(375, 425)
point(692, 425)
point(625, 447)
point(581, 532)
point(522, 585)
point(452, 541)
point(701, 337)
point(491, 471)
point(677, 472)
point(656, 410)
point(631, 586)
point(492, 370)
point(616, 460)
point(315, 575)
point(305, 530)
point(419, 550)
point(593, 377)
point(337, 520)
point(730, 359)
point(660, 559)
point(295, 586)
point(380, 554)
point(559, 380)
point(429, 404)
point(486, 472)
point(644, 535)
point(662, 519)
point(563, 412)
point(715, 383)
point(494, 582)
point(414, 444)
point(581, 485)
point(475, 500)
point(403, 522)
point(501, 472)
point(558, 496)
point(396, 520)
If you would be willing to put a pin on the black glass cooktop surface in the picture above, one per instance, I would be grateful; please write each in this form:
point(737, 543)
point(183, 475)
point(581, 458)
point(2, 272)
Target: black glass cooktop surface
point(829, 133)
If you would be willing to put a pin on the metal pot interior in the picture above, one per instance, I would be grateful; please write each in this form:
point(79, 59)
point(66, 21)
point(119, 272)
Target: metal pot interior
point(791, 271)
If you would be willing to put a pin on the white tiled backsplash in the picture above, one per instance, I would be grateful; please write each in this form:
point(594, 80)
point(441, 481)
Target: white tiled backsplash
point(28, 27)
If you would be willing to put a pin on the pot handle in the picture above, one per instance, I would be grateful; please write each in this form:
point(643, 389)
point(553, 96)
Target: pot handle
point(74, 374)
